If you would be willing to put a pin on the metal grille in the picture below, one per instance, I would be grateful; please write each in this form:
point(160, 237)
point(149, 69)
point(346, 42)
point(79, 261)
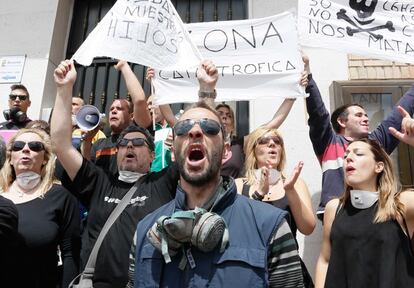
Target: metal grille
point(99, 84)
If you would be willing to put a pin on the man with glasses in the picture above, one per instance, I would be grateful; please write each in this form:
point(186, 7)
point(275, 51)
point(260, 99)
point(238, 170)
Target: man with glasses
point(121, 114)
point(100, 191)
point(16, 115)
point(209, 236)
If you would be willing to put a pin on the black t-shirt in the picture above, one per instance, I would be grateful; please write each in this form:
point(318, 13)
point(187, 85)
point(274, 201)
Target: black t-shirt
point(103, 153)
point(45, 223)
point(9, 244)
point(12, 125)
point(100, 192)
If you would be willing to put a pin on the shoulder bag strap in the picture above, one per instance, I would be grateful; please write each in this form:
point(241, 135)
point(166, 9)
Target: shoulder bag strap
point(111, 219)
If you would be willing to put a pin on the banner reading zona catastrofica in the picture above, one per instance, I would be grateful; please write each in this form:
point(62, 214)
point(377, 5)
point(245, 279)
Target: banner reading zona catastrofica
point(256, 59)
point(374, 28)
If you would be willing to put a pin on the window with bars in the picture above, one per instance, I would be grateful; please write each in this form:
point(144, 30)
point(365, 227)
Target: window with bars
point(99, 84)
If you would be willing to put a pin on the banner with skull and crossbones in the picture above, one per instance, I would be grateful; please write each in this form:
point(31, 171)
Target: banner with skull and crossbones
point(373, 28)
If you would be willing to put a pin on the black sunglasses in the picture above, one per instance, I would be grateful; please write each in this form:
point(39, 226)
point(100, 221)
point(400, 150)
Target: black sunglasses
point(137, 142)
point(21, 97)
point(209, 126)
point(35, 146)
point(266, 140)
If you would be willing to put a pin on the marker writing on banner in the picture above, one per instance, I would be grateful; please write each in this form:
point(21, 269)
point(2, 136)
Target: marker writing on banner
point(391, 45)
point(320, 10)
point(235, 69)
point(217, 40)
point(161, 32)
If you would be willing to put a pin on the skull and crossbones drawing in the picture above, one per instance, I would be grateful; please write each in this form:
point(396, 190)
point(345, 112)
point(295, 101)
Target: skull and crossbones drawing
point(364, 10)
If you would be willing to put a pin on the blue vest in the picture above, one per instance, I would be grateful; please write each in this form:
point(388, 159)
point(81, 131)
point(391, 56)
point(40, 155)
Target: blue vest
point(244, 262)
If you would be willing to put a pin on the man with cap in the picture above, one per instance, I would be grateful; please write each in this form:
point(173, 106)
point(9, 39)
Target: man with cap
point(100, 191)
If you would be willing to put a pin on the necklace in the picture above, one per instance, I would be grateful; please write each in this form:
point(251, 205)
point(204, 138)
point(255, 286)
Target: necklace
point(269, 194)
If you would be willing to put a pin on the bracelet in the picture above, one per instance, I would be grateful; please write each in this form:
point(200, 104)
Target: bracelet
point(211, 95)
point(256, 196)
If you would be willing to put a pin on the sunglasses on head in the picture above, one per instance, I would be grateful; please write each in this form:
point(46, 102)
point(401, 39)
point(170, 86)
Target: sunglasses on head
point(266, 140)
point(35, 146)
point(209, 126)
point(136, 142)
point(21, 97)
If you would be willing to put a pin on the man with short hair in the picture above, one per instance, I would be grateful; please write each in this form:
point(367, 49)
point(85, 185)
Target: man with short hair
point(178, 246)
point(330, 136)
point(100, 192)
point(77, 103)
point(16, 115)
point(121, 114)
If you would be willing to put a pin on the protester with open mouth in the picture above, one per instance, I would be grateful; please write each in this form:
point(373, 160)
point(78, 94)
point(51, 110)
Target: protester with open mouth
point(368, 232)
point(265, 181)
point(48, 214)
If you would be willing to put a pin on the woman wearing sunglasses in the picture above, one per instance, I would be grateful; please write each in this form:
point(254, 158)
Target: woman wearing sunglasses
point(265, 181)
point(367, 232)
point(48, 214)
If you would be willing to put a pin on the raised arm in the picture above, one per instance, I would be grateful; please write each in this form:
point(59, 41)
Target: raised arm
point(207, 76)
point(284, 109)
point(141, 113)
point(325, 254)
point(61, 124)
point(165, 109)
point(320, 129)
point(394, 119)
point(406, 134)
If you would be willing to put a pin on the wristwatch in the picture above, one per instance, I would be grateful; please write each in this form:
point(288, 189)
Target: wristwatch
point(211, 95)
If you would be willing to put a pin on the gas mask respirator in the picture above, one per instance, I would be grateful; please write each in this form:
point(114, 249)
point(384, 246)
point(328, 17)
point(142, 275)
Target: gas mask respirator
point(197, 227)
point(14, 114)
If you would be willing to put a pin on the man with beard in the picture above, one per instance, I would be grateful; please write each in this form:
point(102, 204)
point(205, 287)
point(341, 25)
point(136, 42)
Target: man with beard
point(209, 236)
point(100, 192)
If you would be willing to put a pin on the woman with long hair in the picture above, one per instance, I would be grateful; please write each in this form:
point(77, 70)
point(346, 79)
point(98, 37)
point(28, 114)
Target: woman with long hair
point(48, 214)
point(367, 232)
point(265, 181)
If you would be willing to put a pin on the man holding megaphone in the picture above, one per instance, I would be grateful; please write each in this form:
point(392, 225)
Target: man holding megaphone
point(86, 123)
point(121, 114)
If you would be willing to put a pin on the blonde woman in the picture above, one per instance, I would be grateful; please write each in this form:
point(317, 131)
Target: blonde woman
point(265, 181)
point(367, 233)
point(48, 214)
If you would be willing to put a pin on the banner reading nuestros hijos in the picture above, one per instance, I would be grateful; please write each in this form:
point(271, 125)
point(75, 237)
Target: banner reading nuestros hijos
point(374, 28)
point(255, 58)
point(150, 33)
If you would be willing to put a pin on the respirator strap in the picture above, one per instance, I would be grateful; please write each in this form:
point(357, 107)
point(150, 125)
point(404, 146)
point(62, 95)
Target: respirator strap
point(164, 243)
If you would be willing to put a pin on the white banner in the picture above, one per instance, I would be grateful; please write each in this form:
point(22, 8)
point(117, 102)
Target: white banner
point(150, 33)
point(374, 28)
point(256, 58)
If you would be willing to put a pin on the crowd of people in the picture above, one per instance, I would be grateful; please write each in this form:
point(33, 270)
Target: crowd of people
point(184, 202)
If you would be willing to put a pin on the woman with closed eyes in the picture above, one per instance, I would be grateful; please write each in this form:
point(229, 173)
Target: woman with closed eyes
point(48, 214)
point(367, 232)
